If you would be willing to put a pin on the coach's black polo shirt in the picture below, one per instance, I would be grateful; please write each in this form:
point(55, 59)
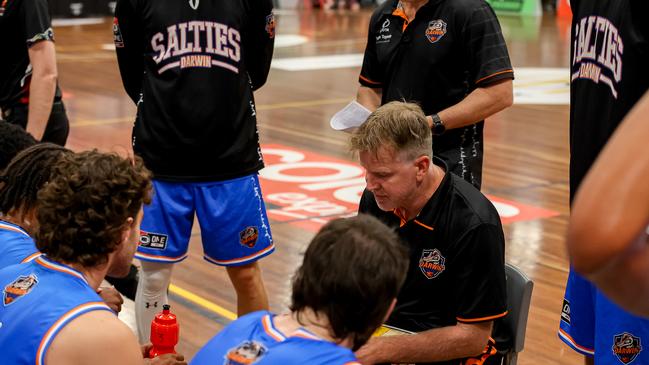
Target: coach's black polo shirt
point(457, 261)
point(448, 50)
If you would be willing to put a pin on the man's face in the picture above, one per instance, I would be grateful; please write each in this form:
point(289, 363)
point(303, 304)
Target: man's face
point(121, 263)
point(390, 177)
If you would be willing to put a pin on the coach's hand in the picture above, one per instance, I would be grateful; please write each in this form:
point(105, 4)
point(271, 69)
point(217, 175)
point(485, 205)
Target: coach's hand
point(112, 297)
point(167, 359)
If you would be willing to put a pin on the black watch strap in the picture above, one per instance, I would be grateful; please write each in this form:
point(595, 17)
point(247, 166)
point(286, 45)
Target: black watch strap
point(438, 127)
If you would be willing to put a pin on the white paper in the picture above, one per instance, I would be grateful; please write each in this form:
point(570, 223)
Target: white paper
point(353, 115)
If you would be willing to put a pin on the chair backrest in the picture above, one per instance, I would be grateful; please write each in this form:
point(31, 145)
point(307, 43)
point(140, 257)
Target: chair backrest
point(519, 295)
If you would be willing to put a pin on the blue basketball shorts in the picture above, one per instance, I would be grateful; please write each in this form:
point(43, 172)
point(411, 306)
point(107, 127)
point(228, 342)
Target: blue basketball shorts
point(594, 326)
point(231, 215)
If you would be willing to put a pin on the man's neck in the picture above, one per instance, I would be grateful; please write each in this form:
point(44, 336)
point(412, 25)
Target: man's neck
point(312, 322)
point(410, 7)
point(94, 276)
point(425, 191)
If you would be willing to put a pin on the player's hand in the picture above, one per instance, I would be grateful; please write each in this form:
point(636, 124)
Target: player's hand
point(167, 359)
point(112, 297)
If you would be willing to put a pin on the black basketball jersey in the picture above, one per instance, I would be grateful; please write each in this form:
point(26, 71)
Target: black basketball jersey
point(610, 53)
point(191, 66)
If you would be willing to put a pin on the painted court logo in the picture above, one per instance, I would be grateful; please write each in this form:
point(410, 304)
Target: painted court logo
point(19, 288)
point(436, 30)
point(248, 237)
point(432, 263)
point(626, 347)
point(249, 352)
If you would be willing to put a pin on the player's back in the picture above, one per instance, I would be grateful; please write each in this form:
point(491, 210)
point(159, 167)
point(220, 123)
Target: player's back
point(255, 339)
point(39, 298)
point(15, 244)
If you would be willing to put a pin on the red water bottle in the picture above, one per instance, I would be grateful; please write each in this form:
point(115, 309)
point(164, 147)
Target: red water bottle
point(164, 333)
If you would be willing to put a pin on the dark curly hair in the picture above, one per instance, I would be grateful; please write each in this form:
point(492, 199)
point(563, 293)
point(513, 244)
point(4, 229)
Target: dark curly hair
point(13, 139)
point(83, 210)
point(25, 175)
point(352, 270)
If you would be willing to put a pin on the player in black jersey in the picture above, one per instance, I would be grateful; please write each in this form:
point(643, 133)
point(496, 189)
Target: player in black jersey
point(610, 53)
point(191, 66)
point(29, 94)
point(450, 57)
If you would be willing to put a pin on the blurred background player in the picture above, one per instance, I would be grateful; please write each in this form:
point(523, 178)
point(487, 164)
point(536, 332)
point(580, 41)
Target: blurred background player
point(344, 290)
point(191, 67)
point(29, 92)
point(608, 236)
point(610, 48)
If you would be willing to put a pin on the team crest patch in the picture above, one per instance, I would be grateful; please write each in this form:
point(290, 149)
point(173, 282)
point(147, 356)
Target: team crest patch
point(117, 34)
point(248, 237)
point(156, 241)
point(431, 263)
point(249, 352)
point(270, 25)
point(626, 347)
point(436, 30)
point(19, 288)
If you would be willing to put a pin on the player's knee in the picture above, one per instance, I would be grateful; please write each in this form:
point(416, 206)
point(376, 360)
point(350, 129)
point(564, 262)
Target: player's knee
point(245, 276)
point(155, 279)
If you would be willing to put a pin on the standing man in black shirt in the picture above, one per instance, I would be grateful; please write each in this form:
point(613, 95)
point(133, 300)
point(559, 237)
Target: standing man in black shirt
point(610, 53)
point(191, 67)
point(29, 93)
point(455, 286)
point(450, 57)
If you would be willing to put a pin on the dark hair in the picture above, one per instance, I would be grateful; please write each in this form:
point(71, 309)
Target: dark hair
point(25, 175)
point(352, 270)
point(83, 210)
point(13, 139)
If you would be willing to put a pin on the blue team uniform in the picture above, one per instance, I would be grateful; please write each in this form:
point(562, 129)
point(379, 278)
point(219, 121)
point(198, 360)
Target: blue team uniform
point(254, 339)
point(16, 245)
point(594, 326)
point(38, 299)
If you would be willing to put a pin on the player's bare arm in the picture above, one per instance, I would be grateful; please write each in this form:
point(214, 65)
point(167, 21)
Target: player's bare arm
point(369, 97)
point(440, 344)
point(43, 85)
point(481, 103)
point(607, 235)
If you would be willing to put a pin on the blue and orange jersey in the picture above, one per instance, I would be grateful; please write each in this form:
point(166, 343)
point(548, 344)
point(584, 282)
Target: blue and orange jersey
point(16, 245)
point(254, 338)
point(39, 298)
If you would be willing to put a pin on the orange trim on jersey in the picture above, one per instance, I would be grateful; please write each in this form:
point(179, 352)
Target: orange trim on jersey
point(492, 75)
point(30, 257)
point(572, 341)
point(265, 321)
point(352, 363)
point(368, 80)
point(63, 269)
point(14, 229)
point(403, 221)
point(483, 319)
point(161, 258)
point(57, 325)
point(425, 226)
point(240, 259)
point(401, 14)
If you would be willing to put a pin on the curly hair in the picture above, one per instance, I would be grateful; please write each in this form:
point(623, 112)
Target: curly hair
point(83, 210)
point(25, 175)
point(13, 139)
point(352, 270)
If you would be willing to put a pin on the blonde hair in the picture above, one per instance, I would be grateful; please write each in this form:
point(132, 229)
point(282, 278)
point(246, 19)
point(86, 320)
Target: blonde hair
point(402, 126)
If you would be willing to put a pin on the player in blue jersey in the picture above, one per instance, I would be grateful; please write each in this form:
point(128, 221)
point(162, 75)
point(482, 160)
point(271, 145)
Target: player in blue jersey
point(22, 178)
point(88, 217)
point(346, 287)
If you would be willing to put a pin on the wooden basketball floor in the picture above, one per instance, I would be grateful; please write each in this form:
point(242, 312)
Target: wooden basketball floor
point(526, 160)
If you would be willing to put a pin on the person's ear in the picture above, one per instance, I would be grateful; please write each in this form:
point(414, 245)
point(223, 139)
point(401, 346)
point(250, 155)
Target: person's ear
point(422, 163)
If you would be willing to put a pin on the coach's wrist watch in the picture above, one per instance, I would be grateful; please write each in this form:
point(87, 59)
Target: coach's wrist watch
point(438, 126)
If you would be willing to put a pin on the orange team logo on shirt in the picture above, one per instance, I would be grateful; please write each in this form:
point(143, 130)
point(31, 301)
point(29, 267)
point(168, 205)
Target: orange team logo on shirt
point(432, 263)
point(270, 25)
point(436, 30)
point(19, 288)
point(249, 352)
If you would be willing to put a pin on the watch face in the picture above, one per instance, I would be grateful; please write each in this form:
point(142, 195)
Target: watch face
point(438, 127)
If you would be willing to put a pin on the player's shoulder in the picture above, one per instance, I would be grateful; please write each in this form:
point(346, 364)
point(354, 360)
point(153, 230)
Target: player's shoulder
point(301, 350)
